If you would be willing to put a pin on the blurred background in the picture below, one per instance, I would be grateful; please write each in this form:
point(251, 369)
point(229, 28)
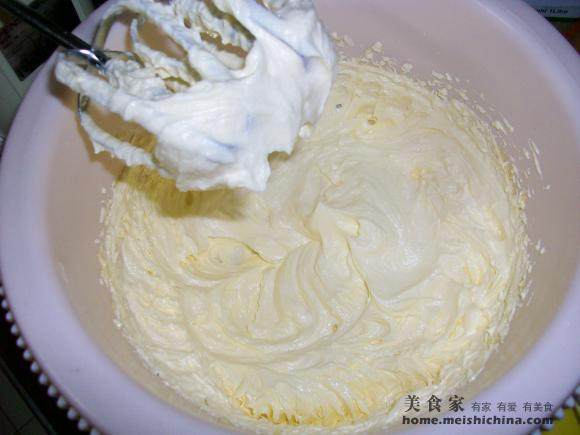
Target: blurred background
point(25, 407)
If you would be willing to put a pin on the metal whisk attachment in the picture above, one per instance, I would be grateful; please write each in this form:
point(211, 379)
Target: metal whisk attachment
point(75, 46)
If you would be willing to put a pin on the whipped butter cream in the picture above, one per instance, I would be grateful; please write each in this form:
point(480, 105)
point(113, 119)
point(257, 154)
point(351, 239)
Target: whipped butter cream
point(386, 256)
point(251, 79)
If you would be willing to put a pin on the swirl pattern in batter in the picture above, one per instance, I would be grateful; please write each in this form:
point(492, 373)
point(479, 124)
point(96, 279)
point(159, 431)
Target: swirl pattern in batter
point(386, 256)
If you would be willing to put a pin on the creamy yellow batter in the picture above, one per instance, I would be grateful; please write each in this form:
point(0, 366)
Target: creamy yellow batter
point(386, 256)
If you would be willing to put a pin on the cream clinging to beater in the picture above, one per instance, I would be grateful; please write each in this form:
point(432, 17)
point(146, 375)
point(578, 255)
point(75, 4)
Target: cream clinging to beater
point(221, 110)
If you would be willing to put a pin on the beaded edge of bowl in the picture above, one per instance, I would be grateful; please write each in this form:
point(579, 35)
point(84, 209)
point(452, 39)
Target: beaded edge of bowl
point(83, 425)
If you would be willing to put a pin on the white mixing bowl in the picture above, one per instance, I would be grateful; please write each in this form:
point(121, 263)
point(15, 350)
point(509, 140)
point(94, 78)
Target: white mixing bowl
point(51, 191)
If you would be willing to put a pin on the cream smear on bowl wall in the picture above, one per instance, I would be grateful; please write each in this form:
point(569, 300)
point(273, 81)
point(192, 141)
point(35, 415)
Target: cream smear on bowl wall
point(386, 257)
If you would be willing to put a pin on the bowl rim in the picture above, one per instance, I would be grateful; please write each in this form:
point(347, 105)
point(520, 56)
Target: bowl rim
point(96, 387)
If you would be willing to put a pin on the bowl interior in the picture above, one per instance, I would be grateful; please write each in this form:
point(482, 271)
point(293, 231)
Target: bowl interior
point(480, 48)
